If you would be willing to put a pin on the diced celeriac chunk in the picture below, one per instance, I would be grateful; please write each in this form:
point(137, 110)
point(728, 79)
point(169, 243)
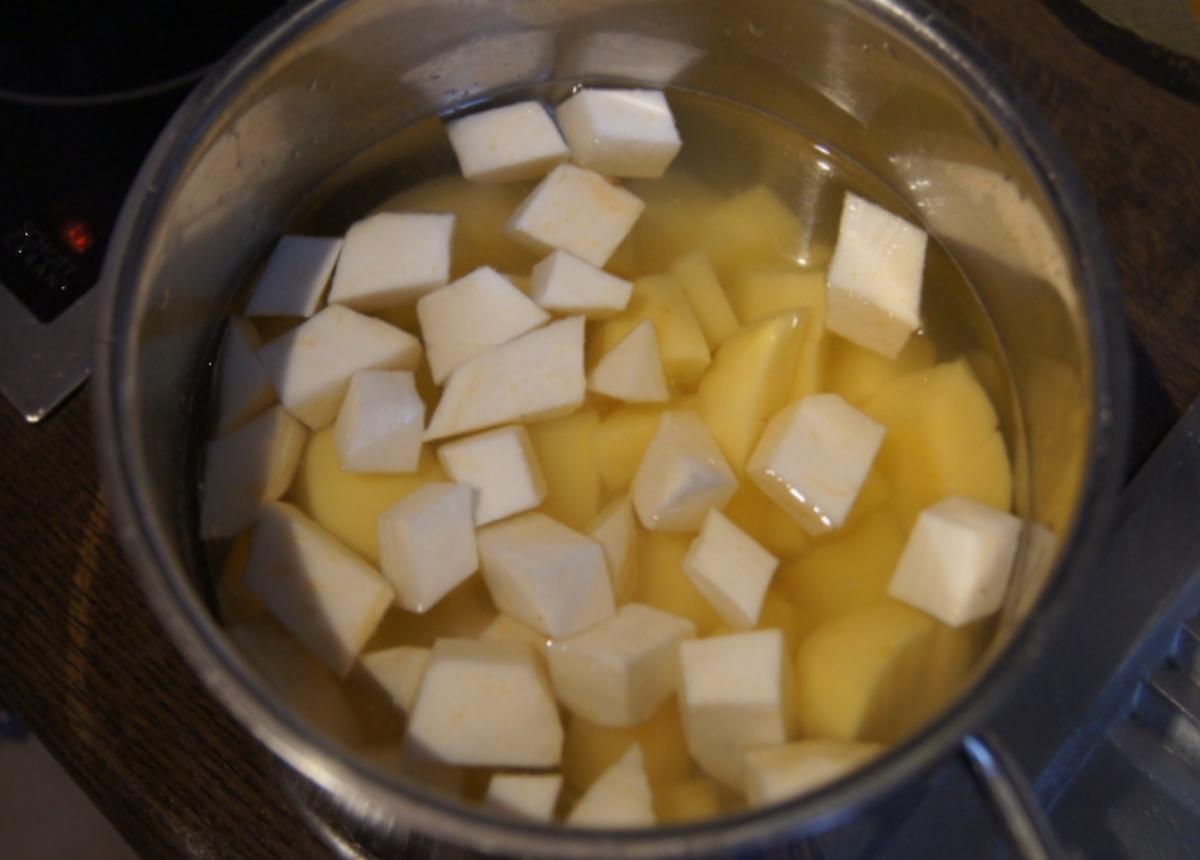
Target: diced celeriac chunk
point(247, 468)
point(620, 132)
point(875, 277)
point(507, 144)
point(380, 423)
point(615, 530)
point(545, 574)
point(243, 389)
point(485, 704)
point(565, 284)
point(538, 375)
point(502, 469)
point(619, 798)
point(397, 672)
point(708, 300)
point(329, 598)
point(470, 316)
point(781, 773)
point(295, 277)
point(525, 795)
point(681, 476)
point(632, 370)
point(813, 458)
point(733, 697)
point(730, 569)
point(578, 211)
point(958, 560)
point(392, 258)
point(311, 365)
point(427, 544)
point(619, 672)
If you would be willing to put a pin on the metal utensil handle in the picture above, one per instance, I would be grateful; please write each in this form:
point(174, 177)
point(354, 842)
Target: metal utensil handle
point(1025, 826)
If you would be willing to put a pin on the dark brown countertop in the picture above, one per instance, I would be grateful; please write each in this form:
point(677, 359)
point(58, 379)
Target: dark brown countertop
point(85, 663)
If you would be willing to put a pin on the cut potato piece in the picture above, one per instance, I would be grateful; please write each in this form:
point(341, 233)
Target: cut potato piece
point(632, 370)
point(681, 344)
point(734, 695)
point(781, 773)
point(856, 672)
point(847, 572)
point(243, 389)
point(706, 296)
point(577, 211)
point(616, 531)
point(379, 426)
point(621, 439)
point(348, 505)
point(749, 228)
point(524, 795)
point(392, 258)
point(857, 373)
point(766, 522)
point(591, 749)
point(566, 450)
point(676, 207)
point(294, 280)
point(665, 586)
point(329, 598)
point(538, 375)
point(245, 469)
point(507, 144)
point(427, 544)
point(730, 569)
point(621, 797)
point(485, 704)
point(748, 381)
point(310, 366)
point(681, 802)
point(628, 133)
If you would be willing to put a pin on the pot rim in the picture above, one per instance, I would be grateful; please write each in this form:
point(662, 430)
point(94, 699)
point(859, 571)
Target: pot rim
point(370, 792)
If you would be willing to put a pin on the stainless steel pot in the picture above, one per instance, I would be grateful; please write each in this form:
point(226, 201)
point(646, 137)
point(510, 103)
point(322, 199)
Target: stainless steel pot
point(886, 81)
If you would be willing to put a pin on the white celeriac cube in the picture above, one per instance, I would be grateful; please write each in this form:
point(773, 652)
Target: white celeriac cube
point(578, 211)
point(247, 468)
point(620, 797)
point(311, 365)
point(619, 672)
point(427, 544)
point(294, 279)
point(507, 144)
point(620, 132)
point(524, 795)
point(813, 458)
point(392, 258)
point(565, 284)
point(485, 704)
point(632, 370)
point(616, 531)
point(397, 672)
point(538, 375)
point(681, 476)
point(379, 426)
point(546, 574)
point(958, 560)
point(731, 569)
point(243, 389)
point(470, 316)
point(874, 279)
point(781, 773)
point(733, 697)
point(328, 597)
point(501, 467)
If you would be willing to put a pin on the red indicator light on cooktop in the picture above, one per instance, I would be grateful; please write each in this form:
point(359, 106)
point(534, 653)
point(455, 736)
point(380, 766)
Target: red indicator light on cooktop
point(78, 235)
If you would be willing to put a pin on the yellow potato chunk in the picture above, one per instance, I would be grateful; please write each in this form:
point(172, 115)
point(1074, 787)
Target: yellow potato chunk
point(589, 749)
point(856, 673)
point(856, 372)
point(621, 440)
point(952, 653)
point(676, 207)
point(693, 800)
point(681, 343)
point(665, 586)
point(941, 441)
point(759, 293)
point(706, 296)
point(751, 228)
point(766, 522)
point(348, 504)
point(848, 571)
point(566, 452)
point(749, 381)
